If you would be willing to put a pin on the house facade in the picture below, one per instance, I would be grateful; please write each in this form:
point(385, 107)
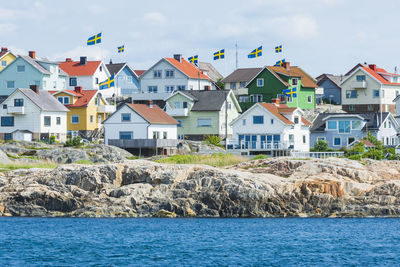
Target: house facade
point(202, 113)
point(87, 110)
point(28, 70)
point(167, 76)
point(270, 82)
point(332, 91)
point(141, 129)
point(368, 88)
point(270, 127)
point(32, 114)
point(342, 129)
point(125, 77)
point(6, 57)
point(238, 80)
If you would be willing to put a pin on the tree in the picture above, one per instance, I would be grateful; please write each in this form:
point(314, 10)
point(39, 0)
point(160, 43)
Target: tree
point(220, 84)
point(321, 146)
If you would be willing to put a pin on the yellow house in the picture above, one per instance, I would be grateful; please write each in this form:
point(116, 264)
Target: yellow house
point(6, 57)
point(88, 109)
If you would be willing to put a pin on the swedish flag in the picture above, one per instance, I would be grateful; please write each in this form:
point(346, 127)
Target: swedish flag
point(121, 49)
point(292, 92)
point(107, 83)
point(278, 49)
point(280, 62)
point(194, 59)
point(220, 54)
point(95, 39)
point(256, 53)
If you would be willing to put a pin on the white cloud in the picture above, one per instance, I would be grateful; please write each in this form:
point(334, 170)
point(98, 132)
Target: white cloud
point(91, 52)
point(154, 17)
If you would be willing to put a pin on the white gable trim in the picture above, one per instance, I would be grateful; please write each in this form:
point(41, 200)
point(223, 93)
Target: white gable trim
point(360, 68)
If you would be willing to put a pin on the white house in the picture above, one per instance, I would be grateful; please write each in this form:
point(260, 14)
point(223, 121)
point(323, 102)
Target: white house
point(368, 88)
point(141, 129)
point(30, 114)
point(169, 75)
point(269, 127)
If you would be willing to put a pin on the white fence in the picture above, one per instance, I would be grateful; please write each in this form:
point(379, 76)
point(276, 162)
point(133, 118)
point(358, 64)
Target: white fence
point(318, 155)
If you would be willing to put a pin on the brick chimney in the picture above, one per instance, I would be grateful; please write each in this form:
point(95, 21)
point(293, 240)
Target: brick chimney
point(34, 88)
point(275, 101)
point(286, 65)
point(83, 60)
point(32, 54)
point(372, 67)
point(4, 49)
point(68, 59)
point(78, 89)
point(178, 57)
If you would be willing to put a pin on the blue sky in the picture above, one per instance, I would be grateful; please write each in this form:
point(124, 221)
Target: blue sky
point(321, 36)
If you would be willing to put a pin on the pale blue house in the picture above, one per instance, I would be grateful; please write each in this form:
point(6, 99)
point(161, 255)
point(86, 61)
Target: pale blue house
point(125, 78)
point(28, 70)
point(332, 89)
point(342, 129)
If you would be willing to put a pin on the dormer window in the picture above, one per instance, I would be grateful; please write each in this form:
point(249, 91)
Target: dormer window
point(294, 81)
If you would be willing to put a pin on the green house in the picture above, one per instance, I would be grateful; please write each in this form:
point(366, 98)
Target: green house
point(201, 112)
point(270, 82)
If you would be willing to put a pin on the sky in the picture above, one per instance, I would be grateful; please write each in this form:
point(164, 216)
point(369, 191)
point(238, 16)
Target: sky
point(321, 36)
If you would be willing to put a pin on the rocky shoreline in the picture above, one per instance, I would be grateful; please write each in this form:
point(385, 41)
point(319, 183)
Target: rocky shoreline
point(279, 187)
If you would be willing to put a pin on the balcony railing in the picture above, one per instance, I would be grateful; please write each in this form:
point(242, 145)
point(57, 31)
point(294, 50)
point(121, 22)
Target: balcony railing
point(257, 145)
point(178, 112)
point(143, 143)
point(359, 84)
point(106, 109)
point(16, 110)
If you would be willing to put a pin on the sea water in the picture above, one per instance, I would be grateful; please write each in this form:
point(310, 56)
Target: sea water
point(199, 242)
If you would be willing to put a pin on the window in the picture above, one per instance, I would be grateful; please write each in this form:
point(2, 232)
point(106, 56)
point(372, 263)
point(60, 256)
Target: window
point(180, 87)
point(272, 121)
point(203, 122)
point(91, 118)
point(72, 82)
point(10, 84)
point(169, 88)
point(242, 85)
point(390, 124)
point(47, 121)
point(125, 117)
point(233, 86)
point(309, 99)
point(321, 138)
point(337, 141)
point(296, 120)
point(291, 138)
point(58, 120)
point(356, 125)
point(21, 68)
point(260, 82)
point(244, 98)
point(101, 68)
point(289, 99)
point(332, 125)
point(60, 99)
point(360, 78)
point(18, 102)
point(165, 135)
point(157, 73)
point(376, 93)
point(66, 100)
point(351, 94)
point(294, 81)
point(156, 135)
point(258, 119)
point(179, 123)
point(97, 80)
point(3, 63)
point(257, 98)
point(5, 106)
point(185, 104)
point(7, 136)
point(74, 119)
point(153, 89)
point(304, 139)
point(7, 121)
point(229, 105)
point(244, 122)
point(169, 74)
point(350, 140)
point(96, 101)
point(125, 135)
point(344, 126)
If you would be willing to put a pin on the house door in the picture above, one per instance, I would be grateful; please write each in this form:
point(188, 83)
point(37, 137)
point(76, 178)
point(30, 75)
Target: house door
point(263, 139)
point(247, 141)
point(99, 121)
point(254, 141)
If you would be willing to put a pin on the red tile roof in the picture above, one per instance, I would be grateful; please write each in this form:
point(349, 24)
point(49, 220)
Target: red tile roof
point(154, 115)
point(83, 98)
point(379, 77)
point(187, 68)
point(74, 68)
point(305, 121)
point(283, 108)
point(294, 71)
point(139, 72)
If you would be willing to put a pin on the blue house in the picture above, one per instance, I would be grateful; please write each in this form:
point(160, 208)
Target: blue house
point(25, 71)
point(125, 78)
point(332, 89)
point(342, 129)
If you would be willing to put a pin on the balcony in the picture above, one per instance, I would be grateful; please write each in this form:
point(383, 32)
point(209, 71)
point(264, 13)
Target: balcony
point(143, 143)
point(16, 110)
point(106, 109)
point(359, 85)
point(151, 96)
point(258, 145)
point(242, 91)
point(178, 112)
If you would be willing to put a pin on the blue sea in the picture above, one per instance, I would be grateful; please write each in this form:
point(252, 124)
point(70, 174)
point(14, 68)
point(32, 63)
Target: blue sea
point(199, 242)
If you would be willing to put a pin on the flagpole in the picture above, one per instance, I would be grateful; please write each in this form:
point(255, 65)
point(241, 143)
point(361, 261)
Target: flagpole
point(236, 55)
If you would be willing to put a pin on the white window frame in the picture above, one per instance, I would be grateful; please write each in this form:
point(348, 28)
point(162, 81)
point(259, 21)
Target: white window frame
point(44, 121)
point(66, 102)
point(130, 117)
point(203, 124)
point(4, 63)
point(159, 74)
point(168, 71)
point(260, 82)
point(74, 116)
point(333, 143)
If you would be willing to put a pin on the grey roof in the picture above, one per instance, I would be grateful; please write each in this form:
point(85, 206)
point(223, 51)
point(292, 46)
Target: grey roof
point(207, 100)
point(115, 68)
point(372, 118)
point(44, 100)
point(36, 64)
point(242, 75)
point(336, 79)
point(211, 71)
point(2, 98)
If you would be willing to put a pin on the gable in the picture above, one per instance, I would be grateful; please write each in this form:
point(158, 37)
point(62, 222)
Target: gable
point(11, 69)
point(371, 81)
point(271, 80)
point(163, 65)
point(115, 118)
point(257, 110)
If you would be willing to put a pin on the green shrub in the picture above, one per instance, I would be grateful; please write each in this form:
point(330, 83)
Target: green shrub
point(214, 140)
point(321, 146)
point(52, 139)
point(76, 141)
point(374, 153)
point(355, 157)
point(260, 156)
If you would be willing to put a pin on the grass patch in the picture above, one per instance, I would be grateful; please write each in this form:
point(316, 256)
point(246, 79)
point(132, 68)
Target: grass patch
point(84, 161)
point(16, 166)
point(134, 157)
point(215, 160)
point(260, 156)
point(22, 157)
point(37, 148)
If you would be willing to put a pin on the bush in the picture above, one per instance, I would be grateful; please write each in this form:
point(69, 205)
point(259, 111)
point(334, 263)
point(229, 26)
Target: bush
point(76, 141)
point(52, 139)
point(374, 153)
point(321, 146)
point(214, 140)
point(355, 157)
point(260, 156)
